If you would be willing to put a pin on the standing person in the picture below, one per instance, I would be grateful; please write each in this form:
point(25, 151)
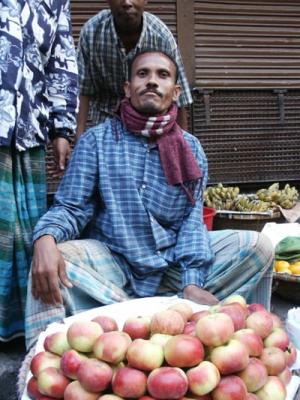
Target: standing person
point(38, 99)
point(108, 42)
point(127, 218)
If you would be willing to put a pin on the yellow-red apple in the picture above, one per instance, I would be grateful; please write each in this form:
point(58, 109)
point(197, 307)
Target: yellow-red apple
point(112, 346)
point(52, 382)
point(83, 334)
point(214, 329)
point(203, 378)
point(169, 322)
point(94, 375)
point(145, 355)
point(230, 357)
point(183, 351)
point(167, 383)
point(129, 382)
point(254, 375)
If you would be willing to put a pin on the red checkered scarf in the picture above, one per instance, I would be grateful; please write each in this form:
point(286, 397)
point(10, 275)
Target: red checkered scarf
point(178, 162)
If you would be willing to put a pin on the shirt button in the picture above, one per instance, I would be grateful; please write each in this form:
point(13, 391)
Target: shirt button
point(144, 186)
point(158, 252)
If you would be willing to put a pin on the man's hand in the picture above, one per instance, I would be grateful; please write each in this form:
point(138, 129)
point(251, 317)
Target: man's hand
point(62, 151)
point(198, 295)
point(48, 271)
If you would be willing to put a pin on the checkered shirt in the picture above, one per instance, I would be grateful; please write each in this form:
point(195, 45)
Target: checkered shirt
point(103, 62)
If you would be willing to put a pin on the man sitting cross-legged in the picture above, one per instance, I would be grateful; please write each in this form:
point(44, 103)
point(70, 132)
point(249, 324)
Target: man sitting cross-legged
point(127, 218)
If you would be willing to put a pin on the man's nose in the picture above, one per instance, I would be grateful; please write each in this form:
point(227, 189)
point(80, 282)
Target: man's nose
point(126, 3)
point(152, 80)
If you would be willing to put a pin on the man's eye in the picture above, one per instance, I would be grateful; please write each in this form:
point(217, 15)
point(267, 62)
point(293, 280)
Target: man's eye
point(164, 74)
point(142, 73)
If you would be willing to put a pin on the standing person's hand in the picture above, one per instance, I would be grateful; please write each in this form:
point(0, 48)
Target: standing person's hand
point(62, 152)
point(199, 295)
point(48, 271)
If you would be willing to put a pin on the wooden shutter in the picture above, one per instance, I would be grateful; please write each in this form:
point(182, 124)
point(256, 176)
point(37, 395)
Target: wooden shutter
point(247, 44)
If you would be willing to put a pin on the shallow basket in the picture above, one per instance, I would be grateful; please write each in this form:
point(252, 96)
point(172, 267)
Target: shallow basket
point(287, 286)
point(245, 221)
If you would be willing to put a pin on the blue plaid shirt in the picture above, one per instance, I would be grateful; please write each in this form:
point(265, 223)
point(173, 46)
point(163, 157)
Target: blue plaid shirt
point(116, 192)
point(103, 62)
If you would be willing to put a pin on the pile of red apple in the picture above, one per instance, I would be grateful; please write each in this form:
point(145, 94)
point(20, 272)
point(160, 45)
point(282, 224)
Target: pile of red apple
point(231, 351)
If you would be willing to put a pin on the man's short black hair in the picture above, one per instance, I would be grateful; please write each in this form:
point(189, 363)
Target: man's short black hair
point(151, 50)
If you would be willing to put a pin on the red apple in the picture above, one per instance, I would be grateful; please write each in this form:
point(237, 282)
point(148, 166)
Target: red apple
point(251, 396)
point(52, 382)
point(261, 322)
point(32, 388)
point(42, 360)
point(285, 376)
point(190, 328)
point(274, 360)
point(145, 355)
point(194, 397)
point(74, 391)
point(57, 343)
point(167, 383)
point(236, 298)
point(277, 322)
point(231, 357)
point(251, 340)
point(160, 338)
point(70, 363)
point(290, 355)
point(129, 382)
point(214, 329)
point(107, 323)
point(83, 334)
point(137, 327)
point(183, 351)
point(277, 338)
point(237, 313)
point(254, 375)
point(203, 378)
point(114, 397)
point(230, 388)
point(169, 322)
point(256, 307)
point(94, 375)
point(274, 389)
point(112, 346)
point(199, 314)
point(184, 309)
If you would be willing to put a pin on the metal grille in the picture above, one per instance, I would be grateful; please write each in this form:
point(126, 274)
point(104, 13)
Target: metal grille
point(249, 136)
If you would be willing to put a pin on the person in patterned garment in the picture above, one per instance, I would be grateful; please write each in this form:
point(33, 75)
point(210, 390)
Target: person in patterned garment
point(127, 220)
point(108, 42)
point(38, 99)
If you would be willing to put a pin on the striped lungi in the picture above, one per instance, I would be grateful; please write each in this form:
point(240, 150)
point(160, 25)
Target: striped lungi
point(243, 265)
point(22, 202)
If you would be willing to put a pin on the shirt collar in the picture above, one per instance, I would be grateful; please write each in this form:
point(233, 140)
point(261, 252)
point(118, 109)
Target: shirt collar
point(141, 38)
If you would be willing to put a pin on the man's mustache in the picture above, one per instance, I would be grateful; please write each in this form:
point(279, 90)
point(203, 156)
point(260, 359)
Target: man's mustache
point(151, 91)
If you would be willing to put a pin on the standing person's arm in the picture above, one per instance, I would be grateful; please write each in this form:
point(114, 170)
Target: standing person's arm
point(86, 86)
point(182, 118)
point(193, 251)
point(73, 208)
point(62, 85)
point(84, 103)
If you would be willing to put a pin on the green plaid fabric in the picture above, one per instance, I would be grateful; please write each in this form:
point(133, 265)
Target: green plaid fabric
point(22, 202)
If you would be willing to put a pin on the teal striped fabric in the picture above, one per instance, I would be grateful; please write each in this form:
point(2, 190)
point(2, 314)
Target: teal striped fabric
point(22, 202)
point(243, 265)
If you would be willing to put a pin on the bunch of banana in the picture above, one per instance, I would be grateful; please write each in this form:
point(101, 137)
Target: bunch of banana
point(244, 203)
point(286, 198)
point(221, 197)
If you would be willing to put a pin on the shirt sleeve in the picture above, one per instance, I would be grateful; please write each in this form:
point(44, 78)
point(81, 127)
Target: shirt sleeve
point(86, 86)
point(75, 200)
point(62, 76)
point(185, 97)
point(193, 250)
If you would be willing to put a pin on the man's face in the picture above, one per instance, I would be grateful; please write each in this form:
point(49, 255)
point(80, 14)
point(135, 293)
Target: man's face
point(127, 14)
point(152, 87)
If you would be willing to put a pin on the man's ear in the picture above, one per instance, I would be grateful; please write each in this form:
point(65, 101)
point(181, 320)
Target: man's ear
point(176, 92)
point(126, 88)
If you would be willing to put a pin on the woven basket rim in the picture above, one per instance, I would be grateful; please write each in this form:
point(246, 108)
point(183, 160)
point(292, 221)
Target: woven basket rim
point(282, 276)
